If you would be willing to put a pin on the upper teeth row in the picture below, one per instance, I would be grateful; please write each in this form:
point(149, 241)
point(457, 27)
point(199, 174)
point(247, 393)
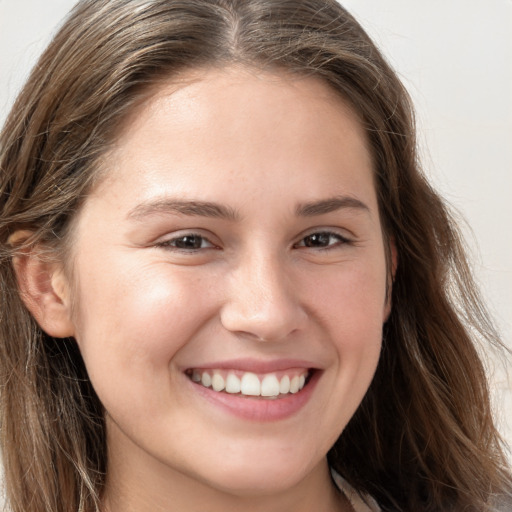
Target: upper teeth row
point(249, 384)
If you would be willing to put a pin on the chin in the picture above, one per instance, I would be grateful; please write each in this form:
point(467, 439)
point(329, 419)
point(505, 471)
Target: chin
point(257, 477)
point(255, 483)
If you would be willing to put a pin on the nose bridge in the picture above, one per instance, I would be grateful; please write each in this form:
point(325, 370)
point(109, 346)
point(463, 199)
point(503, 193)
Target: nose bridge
point(262, 301)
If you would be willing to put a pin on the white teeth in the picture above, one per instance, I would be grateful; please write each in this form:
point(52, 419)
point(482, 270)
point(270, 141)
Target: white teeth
point(206, 380)
point(217, 382)
point(270, 386)
point(294, 384)
point(233, 384)
point(250, 385)
point(284, 386)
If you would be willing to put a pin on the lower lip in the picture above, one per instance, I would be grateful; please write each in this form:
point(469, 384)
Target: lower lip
point(259, 409)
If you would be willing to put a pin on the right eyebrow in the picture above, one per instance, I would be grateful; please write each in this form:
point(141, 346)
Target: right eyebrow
point(180, 207)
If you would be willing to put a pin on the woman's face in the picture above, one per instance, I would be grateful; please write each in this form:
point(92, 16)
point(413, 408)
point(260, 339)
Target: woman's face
point(233, 250)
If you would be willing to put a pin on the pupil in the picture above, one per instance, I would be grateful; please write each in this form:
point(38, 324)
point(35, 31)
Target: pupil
point(189, 242)
point(318, 239)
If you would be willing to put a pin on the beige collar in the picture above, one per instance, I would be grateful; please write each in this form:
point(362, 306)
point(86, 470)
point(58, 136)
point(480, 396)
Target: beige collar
point(359, 503)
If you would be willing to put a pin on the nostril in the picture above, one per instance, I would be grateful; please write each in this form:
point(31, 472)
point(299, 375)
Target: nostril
point(265, 325)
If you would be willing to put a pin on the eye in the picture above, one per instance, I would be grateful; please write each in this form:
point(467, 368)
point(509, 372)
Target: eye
point(322, 240)
point(187, 242)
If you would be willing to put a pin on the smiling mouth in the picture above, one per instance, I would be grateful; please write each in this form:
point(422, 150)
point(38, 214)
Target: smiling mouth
point(273, 385)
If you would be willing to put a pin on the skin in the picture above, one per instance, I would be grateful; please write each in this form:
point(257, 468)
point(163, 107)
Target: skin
point(259, 286)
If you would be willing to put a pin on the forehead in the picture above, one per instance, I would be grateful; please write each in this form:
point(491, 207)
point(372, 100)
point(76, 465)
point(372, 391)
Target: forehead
point(236, 124)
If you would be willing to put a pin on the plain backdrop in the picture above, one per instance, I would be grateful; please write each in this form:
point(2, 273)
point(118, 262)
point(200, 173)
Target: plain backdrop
point(455, 58)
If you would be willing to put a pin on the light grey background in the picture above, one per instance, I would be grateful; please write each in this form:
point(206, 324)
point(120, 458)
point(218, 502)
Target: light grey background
point(455, 57)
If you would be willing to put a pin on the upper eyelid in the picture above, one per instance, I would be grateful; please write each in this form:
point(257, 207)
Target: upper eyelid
point(342, 233)
point(339, 232)
point(333, 234)
point(167, 241)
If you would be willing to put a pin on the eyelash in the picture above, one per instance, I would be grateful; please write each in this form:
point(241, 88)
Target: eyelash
point(172, 243)
point(340, 240)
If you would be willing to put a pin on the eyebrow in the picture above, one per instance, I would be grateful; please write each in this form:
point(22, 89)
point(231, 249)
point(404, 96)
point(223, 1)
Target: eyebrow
point(180, 207)
point(219, 211)
point(329, 205)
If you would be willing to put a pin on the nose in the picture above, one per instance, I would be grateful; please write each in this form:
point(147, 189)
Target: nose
point(262, 302)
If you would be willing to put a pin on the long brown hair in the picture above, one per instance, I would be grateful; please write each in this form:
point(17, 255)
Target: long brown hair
point(423, 439)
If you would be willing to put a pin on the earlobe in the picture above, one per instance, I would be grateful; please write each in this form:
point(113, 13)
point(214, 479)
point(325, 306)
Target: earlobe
point(43, 288)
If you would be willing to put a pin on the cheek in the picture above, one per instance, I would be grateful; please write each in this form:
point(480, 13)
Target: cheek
point(352, 306)
point(348, 306)
point(133, 321)
point(351, 299)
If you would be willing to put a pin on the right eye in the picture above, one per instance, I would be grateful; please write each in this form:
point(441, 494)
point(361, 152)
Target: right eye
point(187, 242)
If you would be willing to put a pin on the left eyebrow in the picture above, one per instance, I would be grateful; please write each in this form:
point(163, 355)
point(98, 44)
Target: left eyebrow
point(329, 205)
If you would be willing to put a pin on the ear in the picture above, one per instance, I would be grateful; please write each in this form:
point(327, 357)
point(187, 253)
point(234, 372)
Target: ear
point(43, 287)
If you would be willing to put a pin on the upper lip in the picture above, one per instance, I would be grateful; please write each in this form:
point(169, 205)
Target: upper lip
point(255, 365)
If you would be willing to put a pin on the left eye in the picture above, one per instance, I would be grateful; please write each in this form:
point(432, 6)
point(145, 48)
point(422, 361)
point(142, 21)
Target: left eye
point(321, 240)
point(188, 242)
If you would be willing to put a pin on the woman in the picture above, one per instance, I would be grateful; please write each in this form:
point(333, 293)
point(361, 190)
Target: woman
point(226, 283)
